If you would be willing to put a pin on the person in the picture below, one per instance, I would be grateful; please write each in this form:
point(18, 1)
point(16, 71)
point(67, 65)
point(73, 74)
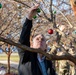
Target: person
point(33, 63)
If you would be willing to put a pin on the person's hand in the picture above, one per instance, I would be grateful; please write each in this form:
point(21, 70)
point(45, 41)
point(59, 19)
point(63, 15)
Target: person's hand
point(32, 11)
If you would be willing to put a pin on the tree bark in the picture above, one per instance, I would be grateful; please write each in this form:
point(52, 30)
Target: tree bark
point(67, 56)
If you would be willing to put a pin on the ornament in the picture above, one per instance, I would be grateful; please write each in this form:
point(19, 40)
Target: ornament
point(50, 31)
point(19, 6)
point(35, 17)
point(0, 5)
point(54, 12)
point(38, 10)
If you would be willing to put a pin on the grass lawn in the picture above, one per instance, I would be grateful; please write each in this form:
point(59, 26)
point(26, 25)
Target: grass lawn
point(14, 57)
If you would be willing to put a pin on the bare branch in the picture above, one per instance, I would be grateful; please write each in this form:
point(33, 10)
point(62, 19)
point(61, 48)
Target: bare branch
point(50, 57)
point(64, 17)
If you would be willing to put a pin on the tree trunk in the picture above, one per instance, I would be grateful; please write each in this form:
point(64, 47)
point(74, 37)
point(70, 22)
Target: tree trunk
point(8, 66)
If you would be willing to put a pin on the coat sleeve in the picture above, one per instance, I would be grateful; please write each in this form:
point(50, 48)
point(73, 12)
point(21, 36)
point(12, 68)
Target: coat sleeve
point(25, 40)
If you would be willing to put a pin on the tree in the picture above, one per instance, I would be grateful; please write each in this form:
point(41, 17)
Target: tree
point(54, 14)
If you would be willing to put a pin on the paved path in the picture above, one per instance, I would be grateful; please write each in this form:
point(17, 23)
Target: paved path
point(12, 64)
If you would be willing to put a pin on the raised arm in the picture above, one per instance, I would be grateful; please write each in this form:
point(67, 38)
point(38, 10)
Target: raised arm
point(26, 30)
point(25, 35)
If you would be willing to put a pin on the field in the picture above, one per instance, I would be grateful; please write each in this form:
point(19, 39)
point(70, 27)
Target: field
point(14, 58)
